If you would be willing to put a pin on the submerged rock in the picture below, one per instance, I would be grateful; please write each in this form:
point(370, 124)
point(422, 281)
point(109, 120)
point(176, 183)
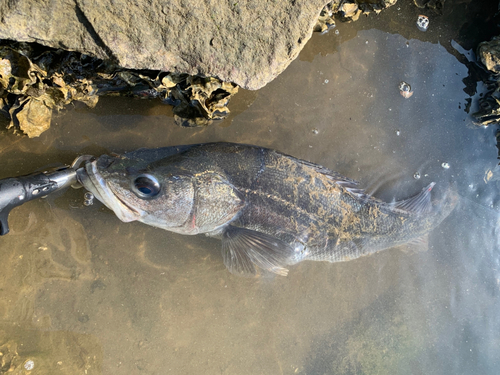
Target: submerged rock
point(199, 100)
point(436, 5)
point(9, 358)
point(489, 105)
point(489, 54)
point(489, 110)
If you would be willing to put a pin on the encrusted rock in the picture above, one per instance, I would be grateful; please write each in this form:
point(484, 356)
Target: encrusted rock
point(489, 111)
point(9, 358)
point(199, 100)
point(436, 5)
point(326, 19)
point(489, 105)
point(489, 54)
point(34, 81)
point(348, 10)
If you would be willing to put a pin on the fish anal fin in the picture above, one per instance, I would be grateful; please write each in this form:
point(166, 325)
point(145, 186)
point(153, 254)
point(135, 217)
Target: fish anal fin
point(245, 250)
point(417, 245)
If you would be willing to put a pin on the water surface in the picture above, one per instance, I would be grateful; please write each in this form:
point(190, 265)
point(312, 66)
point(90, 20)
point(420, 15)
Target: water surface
point(83, 293)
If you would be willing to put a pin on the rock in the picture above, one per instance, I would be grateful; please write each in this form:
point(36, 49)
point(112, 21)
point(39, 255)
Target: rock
point(190, 55)
point(248, 42)
point(347, 11)
point(33, 118)
point(436, 5)
point(34, 82)
point(29, 90)
point(9, 358)
point(326, 19)
point(199, 100)
point(489, 104)
point(489, 111)
point(489, 54)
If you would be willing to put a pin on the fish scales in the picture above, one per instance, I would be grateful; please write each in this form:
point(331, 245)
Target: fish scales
point(270, 209)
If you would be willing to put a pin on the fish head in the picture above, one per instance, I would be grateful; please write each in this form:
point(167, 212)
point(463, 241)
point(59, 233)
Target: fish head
point(176, 193)
point(136, 192)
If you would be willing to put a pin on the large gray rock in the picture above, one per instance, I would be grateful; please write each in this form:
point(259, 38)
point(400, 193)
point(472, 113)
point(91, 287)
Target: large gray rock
point(248, 42)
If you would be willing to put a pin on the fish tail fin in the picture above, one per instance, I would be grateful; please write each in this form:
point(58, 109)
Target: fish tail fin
point(418, 204)
point(422, 204)
point(442, 207)
point(431, 213)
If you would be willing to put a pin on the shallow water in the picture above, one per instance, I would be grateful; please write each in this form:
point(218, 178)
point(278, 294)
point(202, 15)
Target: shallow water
point(82, 292)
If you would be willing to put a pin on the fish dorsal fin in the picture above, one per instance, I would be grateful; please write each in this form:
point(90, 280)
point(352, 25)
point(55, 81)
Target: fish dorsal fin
point(243, 250)
point(332, 175)
point(350, 185)
point(420, 203)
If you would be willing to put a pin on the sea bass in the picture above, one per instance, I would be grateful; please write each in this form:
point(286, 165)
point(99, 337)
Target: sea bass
point(270, 210)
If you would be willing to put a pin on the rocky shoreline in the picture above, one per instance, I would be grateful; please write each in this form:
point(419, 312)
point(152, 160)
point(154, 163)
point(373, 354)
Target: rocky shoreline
point(82, 52)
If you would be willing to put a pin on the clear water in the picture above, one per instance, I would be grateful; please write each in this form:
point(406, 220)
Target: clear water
point(83, 293)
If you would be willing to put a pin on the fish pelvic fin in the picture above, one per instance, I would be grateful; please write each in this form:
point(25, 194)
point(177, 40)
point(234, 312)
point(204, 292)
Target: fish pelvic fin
point(417, 245)
point(245, 250)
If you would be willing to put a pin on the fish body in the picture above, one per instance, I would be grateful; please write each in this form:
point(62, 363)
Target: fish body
point(269, 209)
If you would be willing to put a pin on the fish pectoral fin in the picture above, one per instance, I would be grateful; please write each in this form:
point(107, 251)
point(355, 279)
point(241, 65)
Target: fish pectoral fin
point(244, 249)
point(417, 245)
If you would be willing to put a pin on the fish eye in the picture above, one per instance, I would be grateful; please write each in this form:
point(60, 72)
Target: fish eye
point(146, 186)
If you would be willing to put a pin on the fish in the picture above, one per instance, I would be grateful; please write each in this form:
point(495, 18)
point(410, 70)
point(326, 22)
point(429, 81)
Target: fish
point(269, 209)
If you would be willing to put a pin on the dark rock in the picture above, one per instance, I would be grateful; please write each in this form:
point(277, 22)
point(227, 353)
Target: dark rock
point(489, 105)
point(489, 54)
point(436, 5)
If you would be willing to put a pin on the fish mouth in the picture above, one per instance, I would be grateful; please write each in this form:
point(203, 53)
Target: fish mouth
point(92, 180)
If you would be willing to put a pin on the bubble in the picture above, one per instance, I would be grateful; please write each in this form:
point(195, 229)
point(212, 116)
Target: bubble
point(315, 131)
point(29, 365)
point(88, 199)
point(337, 32)
point(445, 165)
point(416, 176)
point(398, 132)
point(326, 81)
